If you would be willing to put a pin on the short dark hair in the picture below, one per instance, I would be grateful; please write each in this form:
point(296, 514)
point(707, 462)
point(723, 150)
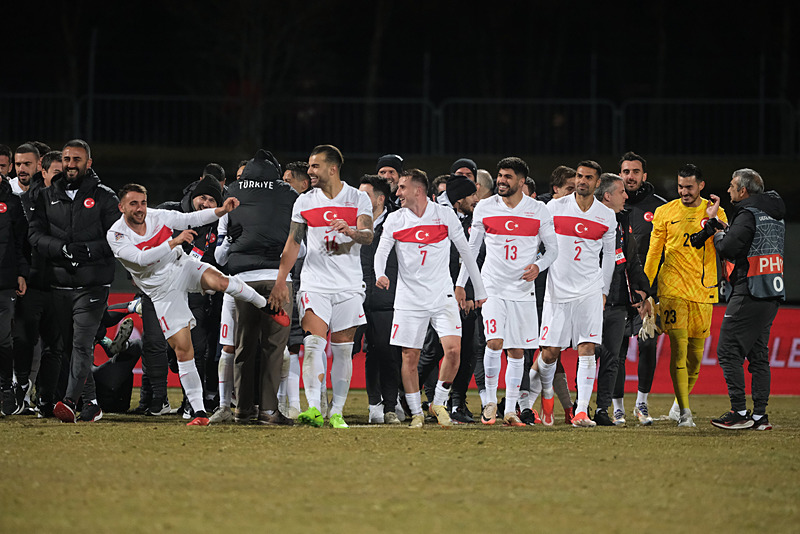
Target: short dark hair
point(691, 169)
point(561, 174)
point(441, 179)
point(28, 148)
point(49, 158)
point(79, 143)
point(633, 156)
point(215, 170)
point(417, 176)
point(607, 180)
point(531, 183)
point(332, 154)
point(515, 164)
point(43, 148)
point(5, 151)
point(379, 185)
point(128, 188)
point(590, 164)
point(299, 170)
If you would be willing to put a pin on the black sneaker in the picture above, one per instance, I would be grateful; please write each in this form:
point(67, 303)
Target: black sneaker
point(141, 409)
point(91, 412)
point(527, 417)
point(65, 411)
point(460, 417)
point(762, 424)
point(601, 417)
point(19, 396)
point(733, 421)
point(159, 406)
point(9, 402)
point(45, 410)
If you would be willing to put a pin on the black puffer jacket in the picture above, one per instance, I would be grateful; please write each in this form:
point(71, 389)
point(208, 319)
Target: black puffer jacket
point(206, 239)
point(41, 273)
point(13, 236)
point(622, 286)
point(735, 245)
point(378, 299)
point(59, 220)
point(641, 205)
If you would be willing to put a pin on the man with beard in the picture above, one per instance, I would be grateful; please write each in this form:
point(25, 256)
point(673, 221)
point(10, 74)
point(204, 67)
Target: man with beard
point(687, 279)
point(26, 163)
point(512, 225)
point(390, 167)
point(6, 163)
point(68, 228)
point(641, 205)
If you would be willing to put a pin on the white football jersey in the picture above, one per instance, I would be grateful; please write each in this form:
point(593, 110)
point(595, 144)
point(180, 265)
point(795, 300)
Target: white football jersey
point(576, 272)
point(423, 255)
point(333, 260)
point(148, 257)
point(512, 238)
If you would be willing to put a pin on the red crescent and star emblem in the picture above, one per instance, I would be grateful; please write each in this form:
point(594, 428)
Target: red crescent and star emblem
point(648, 216)
point(3, 207)
point(88, 203)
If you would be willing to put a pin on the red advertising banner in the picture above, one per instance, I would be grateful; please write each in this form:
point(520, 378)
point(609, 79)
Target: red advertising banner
point(784, 354)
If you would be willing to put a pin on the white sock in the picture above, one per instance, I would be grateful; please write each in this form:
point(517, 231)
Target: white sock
point(341, 373)
point(225, 372)
point(514, 370)
point(414, 401)
point(675, 405)
point(293, 381)
point(441, 394)
point(484, 397)
point(641, 398)
point(524, 400)
point(756, 416)
point(491, 366)
point(241, 291)
point(618, 404)
point(547, 372)
point(313, 368)
point(284, 377)
point(192, 385)
point(536, 389)
point(587, 367)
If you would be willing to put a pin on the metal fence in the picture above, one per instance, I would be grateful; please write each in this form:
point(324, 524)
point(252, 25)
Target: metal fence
point(412, 126)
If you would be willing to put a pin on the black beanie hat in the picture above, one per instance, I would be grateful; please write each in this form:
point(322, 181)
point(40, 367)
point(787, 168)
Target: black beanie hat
point(459, 187)
point(209, 185)
point(390, 160)
point(465, 162)
point(262, 167)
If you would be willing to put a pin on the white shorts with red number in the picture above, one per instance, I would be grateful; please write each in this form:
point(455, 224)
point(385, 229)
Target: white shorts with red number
point(410, 326)
point(574, 322)
point(172, 307)
point(515, 322)
point(227, 323)
point(340, 311)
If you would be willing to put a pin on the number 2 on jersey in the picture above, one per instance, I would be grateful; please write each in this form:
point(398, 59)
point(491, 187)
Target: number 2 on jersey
point(577, 253)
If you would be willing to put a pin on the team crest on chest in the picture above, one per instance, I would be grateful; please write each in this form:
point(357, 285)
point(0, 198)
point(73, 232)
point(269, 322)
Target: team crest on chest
point(88, 203)
point(3, 207)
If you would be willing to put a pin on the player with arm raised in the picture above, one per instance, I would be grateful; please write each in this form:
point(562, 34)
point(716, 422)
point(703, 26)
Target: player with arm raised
point(577, 287)
point(421, 232)
point(338, 219)
point(144, 245)
point(512, 226)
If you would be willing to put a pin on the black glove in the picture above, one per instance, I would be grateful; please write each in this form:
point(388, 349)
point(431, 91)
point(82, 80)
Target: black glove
point(234, 232)
point(76, 253)
point(699, 239)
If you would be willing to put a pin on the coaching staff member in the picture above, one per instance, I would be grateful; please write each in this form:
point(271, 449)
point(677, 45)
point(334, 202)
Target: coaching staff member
point(68, 227)
point(754, 243)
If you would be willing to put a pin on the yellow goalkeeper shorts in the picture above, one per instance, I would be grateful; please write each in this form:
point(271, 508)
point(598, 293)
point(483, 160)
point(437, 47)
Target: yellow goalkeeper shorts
point(680, 314)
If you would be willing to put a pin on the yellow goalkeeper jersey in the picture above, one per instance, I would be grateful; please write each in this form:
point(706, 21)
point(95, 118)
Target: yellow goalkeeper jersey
point(687, 271)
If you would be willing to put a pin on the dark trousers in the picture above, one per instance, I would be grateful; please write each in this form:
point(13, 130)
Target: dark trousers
point(608, 352)
point(79, 314)
point(432, 353)
point(647, 357)
point(745, 334)
point(258, 336)
point(7, 299)
point(382, 365)
point(155, 364)
point(479, 346)
point(36, 319)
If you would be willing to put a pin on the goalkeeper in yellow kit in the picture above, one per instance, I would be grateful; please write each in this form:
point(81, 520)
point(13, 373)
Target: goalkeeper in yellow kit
point(687, 279)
